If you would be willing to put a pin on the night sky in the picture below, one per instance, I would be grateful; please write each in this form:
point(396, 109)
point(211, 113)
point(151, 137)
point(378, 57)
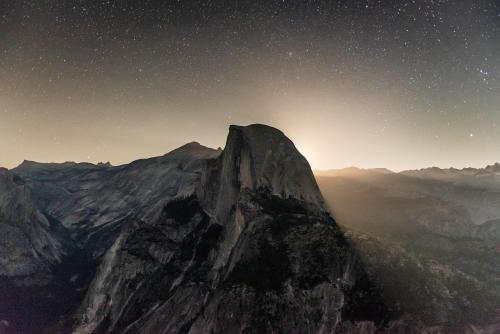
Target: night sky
point(397, 84)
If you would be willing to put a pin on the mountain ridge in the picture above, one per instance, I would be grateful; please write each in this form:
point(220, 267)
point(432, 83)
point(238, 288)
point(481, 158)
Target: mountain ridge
point(196, 229)
point(238, 240)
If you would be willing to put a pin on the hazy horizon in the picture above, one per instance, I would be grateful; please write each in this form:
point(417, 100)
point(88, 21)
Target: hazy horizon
point(150, 152)
point(401, 85)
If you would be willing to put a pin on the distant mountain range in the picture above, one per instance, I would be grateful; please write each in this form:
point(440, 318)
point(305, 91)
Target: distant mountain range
point(475, 189)
point(429, 235)
point(241, 240)
point(487, 177)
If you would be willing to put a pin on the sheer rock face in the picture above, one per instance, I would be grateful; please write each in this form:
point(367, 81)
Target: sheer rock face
point(290, 270)
point(255, 157)
point(27, 244)
point(251, 251)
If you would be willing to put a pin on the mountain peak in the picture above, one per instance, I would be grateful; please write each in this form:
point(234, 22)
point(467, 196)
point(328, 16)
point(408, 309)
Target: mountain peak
point(26, 163)
point(193, 144)
point(260, 134)
point(192, 150)
point(261, 157)
point(53, 165)
point(267, 158)
point(105, 164)
point(257, 128)
point(493, 168)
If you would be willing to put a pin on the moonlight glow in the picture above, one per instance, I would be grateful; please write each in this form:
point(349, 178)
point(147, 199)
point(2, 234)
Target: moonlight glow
point(400, 84)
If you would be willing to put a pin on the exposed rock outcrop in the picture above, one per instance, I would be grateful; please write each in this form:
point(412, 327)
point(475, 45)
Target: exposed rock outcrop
point(252, 250)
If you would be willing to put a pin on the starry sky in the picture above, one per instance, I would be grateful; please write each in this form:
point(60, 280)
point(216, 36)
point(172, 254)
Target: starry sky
point(396, 84)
